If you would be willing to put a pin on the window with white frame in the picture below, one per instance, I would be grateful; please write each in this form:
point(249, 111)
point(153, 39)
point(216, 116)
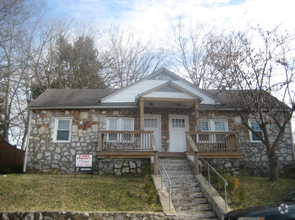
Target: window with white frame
point(255, 126)
point(213, 125)
point(62, 129)
point(120, 124)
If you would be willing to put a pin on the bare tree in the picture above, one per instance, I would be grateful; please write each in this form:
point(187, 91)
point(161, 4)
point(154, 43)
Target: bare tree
point(18, 25)
point(190, 45)
point(262, 70)
point(127, 57)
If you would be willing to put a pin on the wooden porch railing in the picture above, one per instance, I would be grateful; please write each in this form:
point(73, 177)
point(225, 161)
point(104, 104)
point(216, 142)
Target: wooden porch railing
point(129, 144)
point(214, 141)
point(127, 141)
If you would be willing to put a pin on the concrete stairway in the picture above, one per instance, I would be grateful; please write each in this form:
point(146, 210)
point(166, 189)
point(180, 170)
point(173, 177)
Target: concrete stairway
point(186, 196)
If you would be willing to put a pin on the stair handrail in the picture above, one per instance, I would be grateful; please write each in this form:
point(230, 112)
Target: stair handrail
point(225, 183)
point(169, 181)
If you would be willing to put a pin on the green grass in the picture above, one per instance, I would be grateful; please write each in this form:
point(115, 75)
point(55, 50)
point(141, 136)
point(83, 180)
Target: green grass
point(256, 191)
point(66, 193)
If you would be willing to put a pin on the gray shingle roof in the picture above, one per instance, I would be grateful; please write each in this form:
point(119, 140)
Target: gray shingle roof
point(70, 98)
point(86, 98)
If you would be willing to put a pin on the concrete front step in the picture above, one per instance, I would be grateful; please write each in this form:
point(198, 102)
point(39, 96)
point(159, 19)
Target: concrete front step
point(178, 172)
point(177, 168)
point(188, 200)
point(181, 184)
point(204, 215)
point(187, 195)
point(185, 189)
point(183, 178)
point(192, 207)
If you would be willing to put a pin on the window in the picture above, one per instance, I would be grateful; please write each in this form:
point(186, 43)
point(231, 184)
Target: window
point(213, 125)
point(178, 123)
point(62, 131)
point(150, 123)
point(120, 124)
point(255, 126)
point(204, 126)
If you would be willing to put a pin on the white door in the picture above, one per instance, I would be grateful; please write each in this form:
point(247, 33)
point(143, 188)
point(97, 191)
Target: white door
point(153, 123)
point(178, 125)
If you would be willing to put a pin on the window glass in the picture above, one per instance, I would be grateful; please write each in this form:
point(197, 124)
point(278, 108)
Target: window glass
point(127, 125)
point(120, 124)
point(255, 127)
point(178, 123)
point(63, 129)
point(150, 123)
point(63, 124)
point(204, 126)
point(219, 126)
point(113, 124)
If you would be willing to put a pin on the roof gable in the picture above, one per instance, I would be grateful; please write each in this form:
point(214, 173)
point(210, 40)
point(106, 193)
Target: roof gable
point(163, 76)
point(168, 90)
point(155, 80)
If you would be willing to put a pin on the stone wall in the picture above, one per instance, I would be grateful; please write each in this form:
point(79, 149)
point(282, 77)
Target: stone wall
point(254, 159)
point(45, 156)
point(85, 216)
point(122, 166)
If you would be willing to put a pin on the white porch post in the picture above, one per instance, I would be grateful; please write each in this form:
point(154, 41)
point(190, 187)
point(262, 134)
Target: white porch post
point(197, 115)
point(141, 115)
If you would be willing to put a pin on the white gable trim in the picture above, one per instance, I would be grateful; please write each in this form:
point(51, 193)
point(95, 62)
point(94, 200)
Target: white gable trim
point(170, 73)
point(145, 78)
point(164, 85)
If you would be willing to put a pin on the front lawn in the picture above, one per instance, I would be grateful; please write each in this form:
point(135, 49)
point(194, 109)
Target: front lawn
point(25, 192)
point(251, 191)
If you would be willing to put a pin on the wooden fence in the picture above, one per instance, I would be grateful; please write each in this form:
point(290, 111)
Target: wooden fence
point(11, 158)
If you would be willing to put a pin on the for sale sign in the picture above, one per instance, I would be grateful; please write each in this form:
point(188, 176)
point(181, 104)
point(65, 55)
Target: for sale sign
point(83, 160)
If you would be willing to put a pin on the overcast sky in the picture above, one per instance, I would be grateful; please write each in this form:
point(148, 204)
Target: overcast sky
point(154, 16)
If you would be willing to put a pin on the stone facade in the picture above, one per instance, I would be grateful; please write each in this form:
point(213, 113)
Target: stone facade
point(122, 166)
point(46, 156)
point(254, 159)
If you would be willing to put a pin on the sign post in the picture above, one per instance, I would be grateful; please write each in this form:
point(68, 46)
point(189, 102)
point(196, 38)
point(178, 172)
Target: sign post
point(83, 163)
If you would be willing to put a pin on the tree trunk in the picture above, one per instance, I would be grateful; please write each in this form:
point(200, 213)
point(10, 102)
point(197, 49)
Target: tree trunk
point(273, 165)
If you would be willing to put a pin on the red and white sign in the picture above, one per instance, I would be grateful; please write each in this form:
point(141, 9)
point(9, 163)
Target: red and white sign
point(83, 160)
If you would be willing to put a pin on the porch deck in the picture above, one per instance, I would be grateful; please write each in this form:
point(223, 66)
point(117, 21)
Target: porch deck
point(142, 144)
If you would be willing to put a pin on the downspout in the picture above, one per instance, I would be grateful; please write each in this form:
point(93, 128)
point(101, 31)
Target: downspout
point(28, 142)
point(292, 143)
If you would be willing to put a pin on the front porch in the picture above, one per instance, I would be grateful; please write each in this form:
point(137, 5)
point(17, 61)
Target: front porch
point(142, 144)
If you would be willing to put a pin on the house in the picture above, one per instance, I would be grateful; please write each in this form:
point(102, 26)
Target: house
point(124, 129)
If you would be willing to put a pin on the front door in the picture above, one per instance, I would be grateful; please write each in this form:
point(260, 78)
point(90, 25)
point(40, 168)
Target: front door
point(153, 123)
point(178, 125)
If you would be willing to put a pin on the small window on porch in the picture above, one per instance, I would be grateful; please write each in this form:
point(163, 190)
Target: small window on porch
point(127, 126)
point(204, 126)
point(178, 123)
point(150, 123)
point(120, 124)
